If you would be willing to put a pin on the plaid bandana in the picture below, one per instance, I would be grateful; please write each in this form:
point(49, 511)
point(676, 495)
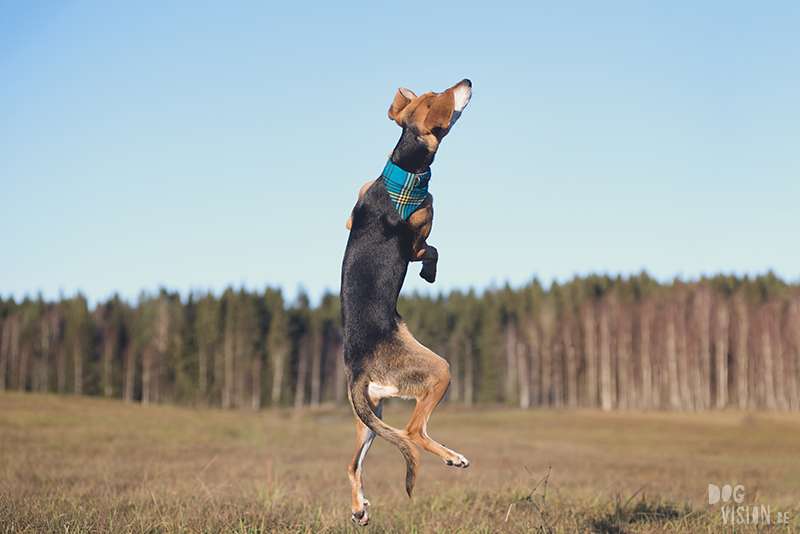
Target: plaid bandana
point(407, 190)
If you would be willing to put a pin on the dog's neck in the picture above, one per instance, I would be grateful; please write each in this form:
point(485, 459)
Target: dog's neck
point(397, 175)
point(407, 190)
point(412, 154)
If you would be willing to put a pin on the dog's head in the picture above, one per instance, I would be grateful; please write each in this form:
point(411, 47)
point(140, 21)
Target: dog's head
point(431, 116)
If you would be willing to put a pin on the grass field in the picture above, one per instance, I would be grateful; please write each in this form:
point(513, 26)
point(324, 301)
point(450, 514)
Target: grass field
point(71, 465)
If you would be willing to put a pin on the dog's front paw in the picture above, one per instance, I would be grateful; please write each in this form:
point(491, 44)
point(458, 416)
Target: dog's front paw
point(428, 272)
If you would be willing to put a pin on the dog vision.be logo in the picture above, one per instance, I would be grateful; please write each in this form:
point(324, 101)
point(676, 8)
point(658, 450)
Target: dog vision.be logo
point(739, 514)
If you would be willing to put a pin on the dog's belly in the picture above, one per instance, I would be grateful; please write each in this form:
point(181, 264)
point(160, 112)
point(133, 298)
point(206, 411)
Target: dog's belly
point(378, 391)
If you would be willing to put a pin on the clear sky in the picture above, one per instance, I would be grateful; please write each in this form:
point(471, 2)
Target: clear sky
point(198, 145)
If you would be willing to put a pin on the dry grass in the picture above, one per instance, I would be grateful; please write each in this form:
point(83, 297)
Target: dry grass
point(89, 465)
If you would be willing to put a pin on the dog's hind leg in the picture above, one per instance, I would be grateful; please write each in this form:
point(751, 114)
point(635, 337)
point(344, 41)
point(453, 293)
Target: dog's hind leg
point(417, 426)
point(426, 377)
point(364, 440)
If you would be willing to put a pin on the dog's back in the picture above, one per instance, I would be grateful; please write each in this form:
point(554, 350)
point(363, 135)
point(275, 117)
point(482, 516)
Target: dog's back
point(374, 267)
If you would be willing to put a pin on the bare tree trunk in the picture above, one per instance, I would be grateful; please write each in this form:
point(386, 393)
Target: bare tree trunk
point(162, 342)
point(468, 364)
point(156, 365)
point(255, 390)
point(108, 358)
point(781, 401)
point(547, 322)
point(511, 360)
point(77, 361)
point(147, 363)
point(523, 375)
point(61, 369)
point(5, 350)
point(316, 369)
point(12, 375)
point(794, 355)
point(672, 362)
point(202, 379)
point(243, 361)
point(767, 383)
point(57, 347)
point(590, 353)
point(626, 395)
point(302, 370)
point(721, 353)
point(572, 366)
point(278, 360)
point(130, 373)
point(703, 309)
point(558, 374)
point(533, 361)
point(36, 364)
point(605, 357)
point(742, 372)
point(40, 370)
point(23, 366)
point(684, 366)
point(646, 326)
point(228, 355)
point(219, 371)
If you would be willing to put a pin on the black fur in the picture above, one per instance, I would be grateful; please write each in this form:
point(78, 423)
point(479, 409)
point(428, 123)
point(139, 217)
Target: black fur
point(411, 153)
point(376, 258)
point(374, 268)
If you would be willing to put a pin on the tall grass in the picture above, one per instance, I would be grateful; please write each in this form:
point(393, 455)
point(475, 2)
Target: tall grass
point(82, 465)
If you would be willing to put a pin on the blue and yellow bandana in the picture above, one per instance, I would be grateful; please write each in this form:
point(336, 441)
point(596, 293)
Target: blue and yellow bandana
point(406, 189)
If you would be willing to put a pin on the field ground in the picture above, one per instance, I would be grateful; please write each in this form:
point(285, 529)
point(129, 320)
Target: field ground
point(72, 465)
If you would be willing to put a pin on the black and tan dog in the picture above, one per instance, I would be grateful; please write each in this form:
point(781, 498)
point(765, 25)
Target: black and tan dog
point(382, 359)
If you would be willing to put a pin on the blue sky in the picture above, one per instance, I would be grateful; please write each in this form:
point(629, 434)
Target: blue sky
point(201, 145)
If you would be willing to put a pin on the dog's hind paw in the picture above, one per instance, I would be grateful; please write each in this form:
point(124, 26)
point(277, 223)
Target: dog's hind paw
point(359, 512)
point(458, 461)
point(361, 517)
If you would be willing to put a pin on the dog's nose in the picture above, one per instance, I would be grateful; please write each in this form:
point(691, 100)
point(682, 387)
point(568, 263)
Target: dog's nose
point(466, 81)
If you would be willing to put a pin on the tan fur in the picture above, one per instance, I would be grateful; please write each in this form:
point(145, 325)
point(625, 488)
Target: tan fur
point(424, 376)
point(401, 100)
point(349, 223)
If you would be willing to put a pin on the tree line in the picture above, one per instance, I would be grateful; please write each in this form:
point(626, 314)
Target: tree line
point(594, 342)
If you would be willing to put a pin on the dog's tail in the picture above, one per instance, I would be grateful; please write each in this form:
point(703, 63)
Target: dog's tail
point(398, 438)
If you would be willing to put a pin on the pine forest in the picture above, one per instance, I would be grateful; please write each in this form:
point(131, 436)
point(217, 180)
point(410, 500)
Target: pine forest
point(594, 342)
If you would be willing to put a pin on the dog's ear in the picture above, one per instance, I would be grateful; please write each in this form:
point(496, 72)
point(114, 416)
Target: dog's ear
point(441, 111)
point(401, 100)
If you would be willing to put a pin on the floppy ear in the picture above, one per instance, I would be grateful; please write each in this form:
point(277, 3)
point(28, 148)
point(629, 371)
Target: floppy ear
point(441, 111)
point(401, 100)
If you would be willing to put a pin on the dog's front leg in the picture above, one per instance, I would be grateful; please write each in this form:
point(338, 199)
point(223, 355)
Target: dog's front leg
point(429, 259)
point(421, 220)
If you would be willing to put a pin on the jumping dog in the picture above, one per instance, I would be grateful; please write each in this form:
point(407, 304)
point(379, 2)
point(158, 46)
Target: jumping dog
point(389, 227)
